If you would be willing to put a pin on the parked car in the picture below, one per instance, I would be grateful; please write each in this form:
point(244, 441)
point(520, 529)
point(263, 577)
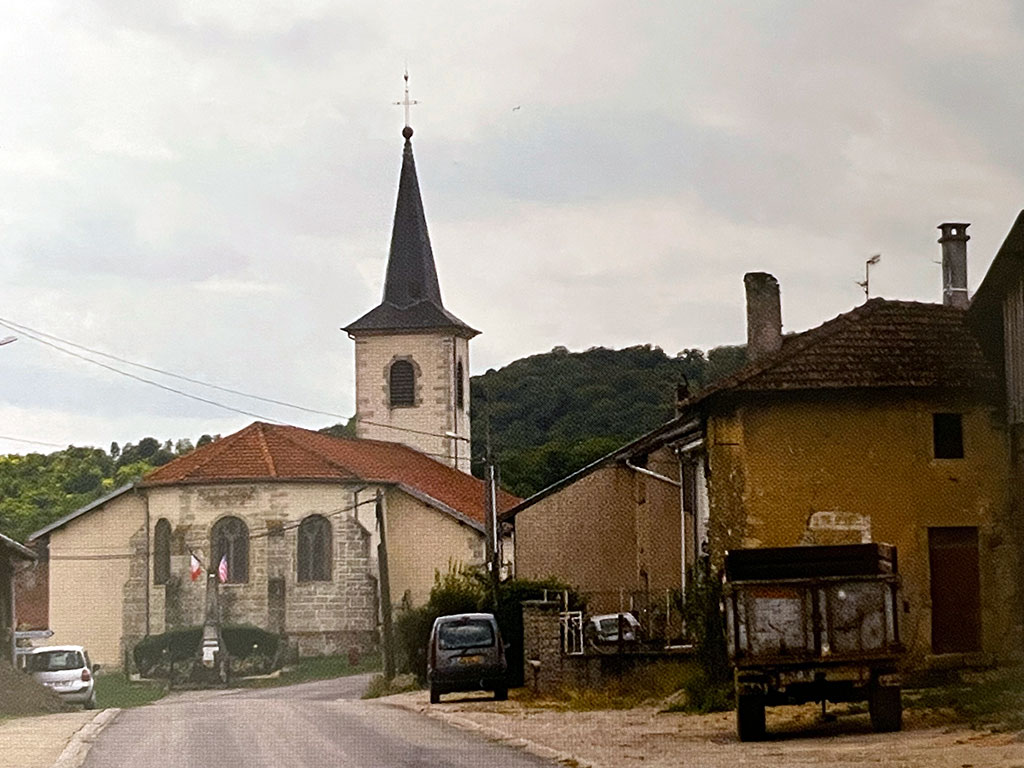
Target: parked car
point(66, 670)
point(466, 653)
point(604, 629)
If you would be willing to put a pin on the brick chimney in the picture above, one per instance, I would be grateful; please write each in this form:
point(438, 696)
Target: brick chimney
point(764, 315)
point(954, 264)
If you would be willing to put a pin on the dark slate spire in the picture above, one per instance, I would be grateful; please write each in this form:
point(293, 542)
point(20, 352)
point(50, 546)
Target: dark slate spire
point(411, 274)
point(412, 295)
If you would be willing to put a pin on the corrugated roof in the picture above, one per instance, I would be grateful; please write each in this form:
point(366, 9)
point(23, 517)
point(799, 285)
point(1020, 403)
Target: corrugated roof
point(271, 452)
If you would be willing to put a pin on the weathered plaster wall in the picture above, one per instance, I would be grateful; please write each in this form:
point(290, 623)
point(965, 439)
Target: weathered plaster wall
point(584, 534)
point(422, 542)
point(782, 471)
point(89, 568)
point(659, 524)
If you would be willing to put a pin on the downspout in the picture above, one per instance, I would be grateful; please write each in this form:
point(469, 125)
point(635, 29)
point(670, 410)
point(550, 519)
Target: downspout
point(145, 502)
point(655, 475)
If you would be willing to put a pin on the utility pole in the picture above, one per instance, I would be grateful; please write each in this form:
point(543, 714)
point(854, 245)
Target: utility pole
point(493, 547)
point(385, 591)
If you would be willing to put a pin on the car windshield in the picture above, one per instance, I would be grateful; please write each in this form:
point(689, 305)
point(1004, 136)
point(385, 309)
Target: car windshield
point(468, 634)
point(611, 626)
point(54, 661)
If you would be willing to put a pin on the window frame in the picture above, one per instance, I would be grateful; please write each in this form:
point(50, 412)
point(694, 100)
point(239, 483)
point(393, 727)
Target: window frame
point(238, 556)
point(404, 397)
point(314, 550)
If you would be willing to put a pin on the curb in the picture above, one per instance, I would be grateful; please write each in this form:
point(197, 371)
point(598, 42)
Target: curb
point(494, 734)
point(78, 747)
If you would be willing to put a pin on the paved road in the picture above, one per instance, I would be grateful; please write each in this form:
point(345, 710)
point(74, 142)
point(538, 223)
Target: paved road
point(314, 724)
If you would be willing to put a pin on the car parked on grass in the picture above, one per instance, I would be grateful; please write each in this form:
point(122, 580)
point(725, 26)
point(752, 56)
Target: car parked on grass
point(466, 653)
point(66, 670)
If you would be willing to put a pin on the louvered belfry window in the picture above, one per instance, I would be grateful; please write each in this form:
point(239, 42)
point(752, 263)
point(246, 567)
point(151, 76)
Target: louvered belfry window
point(402, 384)
point(460, 387)
point(314, 554)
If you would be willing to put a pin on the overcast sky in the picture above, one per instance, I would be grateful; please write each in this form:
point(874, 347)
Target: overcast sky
point(207, 188)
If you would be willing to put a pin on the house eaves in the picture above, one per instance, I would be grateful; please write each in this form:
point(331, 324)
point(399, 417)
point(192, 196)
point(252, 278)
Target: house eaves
point(438, 505)
point(18, 549)
point(80, 511)
point(650, 441)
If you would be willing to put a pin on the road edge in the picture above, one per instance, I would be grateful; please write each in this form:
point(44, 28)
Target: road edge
point(81, 741)
point(492, 734)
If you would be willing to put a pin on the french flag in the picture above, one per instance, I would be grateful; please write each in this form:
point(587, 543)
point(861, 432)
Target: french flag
point(195, 568)
point(222, 569)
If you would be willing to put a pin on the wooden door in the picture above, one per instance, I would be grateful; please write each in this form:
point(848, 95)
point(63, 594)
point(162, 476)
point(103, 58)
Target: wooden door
point(955, 590)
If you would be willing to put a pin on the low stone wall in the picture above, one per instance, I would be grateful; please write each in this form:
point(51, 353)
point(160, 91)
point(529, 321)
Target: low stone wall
point(548, 670)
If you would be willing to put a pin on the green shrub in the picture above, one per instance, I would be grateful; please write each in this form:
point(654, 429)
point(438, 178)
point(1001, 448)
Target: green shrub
point(158, 655)
point(711, 689)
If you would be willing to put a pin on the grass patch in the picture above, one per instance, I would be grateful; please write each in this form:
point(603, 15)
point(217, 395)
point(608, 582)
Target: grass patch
point(991, 700)
point(399, 684)
point(316, 668)
point(114, 689)
point(683, 684)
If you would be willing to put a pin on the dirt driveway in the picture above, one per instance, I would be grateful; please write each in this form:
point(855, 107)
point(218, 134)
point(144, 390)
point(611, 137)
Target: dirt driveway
point(797, 737)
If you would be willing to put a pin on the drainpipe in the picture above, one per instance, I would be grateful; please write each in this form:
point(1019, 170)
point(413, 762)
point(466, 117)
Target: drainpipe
point(655, 475)
point(145, 502)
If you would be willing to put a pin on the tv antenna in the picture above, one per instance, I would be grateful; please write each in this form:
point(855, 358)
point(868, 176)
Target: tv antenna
point(866, 282)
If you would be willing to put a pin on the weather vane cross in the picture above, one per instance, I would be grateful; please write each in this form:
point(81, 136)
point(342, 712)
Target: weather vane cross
point(406, 102)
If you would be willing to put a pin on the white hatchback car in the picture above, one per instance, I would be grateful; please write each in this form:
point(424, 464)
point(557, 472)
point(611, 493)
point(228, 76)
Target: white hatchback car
point(66, 670)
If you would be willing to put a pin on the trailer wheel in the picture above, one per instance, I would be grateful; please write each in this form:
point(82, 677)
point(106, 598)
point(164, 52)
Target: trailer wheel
point(750, 725)
point(885, 706)
point(435, 695)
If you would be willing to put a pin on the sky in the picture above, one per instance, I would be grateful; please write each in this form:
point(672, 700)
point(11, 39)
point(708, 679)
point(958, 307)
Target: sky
point(207, 188)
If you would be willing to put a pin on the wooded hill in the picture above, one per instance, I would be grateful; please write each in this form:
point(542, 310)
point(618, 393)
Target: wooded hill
point(548, 415)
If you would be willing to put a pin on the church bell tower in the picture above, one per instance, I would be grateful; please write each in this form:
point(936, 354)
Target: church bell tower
point(412, 355)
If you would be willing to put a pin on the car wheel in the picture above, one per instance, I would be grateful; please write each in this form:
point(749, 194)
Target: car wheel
point(91, 703)
point(435, 695)
point(501, 694)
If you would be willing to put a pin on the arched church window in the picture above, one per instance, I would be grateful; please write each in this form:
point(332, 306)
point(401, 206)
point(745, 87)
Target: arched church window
point(460, 386)
point(161, 552)
point(314, 549)
point(402, 383)
point(230, 538)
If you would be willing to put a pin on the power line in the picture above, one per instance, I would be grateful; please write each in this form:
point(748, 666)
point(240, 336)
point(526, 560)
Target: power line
point(40, 336)
point(145, 380)
point(31, 442)
point(26, 329)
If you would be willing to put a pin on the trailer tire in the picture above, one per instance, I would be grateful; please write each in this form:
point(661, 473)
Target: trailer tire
point(750, 723)
point(435, 695)
point(886, 707)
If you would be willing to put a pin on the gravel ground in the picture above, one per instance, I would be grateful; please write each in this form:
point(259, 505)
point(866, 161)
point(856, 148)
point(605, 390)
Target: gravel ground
point(797, 737)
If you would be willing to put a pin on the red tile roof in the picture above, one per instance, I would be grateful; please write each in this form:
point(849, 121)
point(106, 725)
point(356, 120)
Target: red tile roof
point(271, 452)
point(881, 343)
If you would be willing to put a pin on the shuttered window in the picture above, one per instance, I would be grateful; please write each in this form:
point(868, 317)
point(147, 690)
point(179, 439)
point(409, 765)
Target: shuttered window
point(402, 384)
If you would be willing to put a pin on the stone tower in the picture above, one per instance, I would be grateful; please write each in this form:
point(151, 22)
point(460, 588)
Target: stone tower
point(412, 355)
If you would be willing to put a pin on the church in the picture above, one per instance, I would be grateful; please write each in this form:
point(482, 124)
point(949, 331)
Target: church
point(292, 512)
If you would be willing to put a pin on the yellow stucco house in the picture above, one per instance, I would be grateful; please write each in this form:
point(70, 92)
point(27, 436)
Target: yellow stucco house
point(884, 424)
point(293, 513)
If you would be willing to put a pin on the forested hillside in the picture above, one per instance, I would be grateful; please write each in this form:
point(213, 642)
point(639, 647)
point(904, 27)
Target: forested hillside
point(553, 413)
point(548, 415)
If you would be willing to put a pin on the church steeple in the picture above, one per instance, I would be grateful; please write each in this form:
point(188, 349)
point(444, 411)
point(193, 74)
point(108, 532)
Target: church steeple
point(412, 355)
point(412, 294)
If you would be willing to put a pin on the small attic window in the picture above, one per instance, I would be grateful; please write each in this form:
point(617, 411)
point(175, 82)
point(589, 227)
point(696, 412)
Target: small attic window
point(948, 435)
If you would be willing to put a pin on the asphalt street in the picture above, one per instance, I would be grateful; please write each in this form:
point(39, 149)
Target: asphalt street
point(314, 724)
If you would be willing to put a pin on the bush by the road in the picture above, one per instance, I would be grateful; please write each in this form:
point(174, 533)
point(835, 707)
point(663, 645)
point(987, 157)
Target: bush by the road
point(21, 695)
point(165, 655)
